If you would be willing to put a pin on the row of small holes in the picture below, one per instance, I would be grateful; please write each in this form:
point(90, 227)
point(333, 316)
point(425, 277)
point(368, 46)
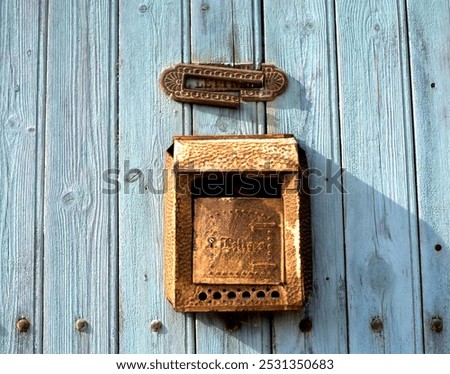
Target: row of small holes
point(202, 296)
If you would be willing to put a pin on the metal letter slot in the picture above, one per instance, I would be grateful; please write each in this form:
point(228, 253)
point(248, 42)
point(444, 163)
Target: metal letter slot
point(237, 234)
point(222, 86)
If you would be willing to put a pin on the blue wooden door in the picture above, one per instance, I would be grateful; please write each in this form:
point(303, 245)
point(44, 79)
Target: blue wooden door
point(83, 131)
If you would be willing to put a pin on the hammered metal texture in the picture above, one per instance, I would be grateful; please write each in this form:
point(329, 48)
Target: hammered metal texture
point(215, 257)
point(238, 241)
point(249, 153)
point(222, 86)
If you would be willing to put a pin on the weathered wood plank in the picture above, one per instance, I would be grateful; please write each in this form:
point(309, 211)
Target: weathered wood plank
point(299, 38)
point(22, 35)
point(429, 36)
point(150, 40)
point(223, 32)
point(380, 208)
point(79, 218)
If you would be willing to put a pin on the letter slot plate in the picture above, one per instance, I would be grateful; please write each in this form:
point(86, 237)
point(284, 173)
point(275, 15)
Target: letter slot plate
point(237, 224)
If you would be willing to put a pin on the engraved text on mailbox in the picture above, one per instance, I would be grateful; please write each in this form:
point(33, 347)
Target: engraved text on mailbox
point(238, 241)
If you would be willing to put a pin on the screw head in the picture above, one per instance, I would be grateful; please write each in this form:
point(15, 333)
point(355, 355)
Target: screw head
point(23, 325)
point(436, 324)
point(376, 324)
point(155, 325)
point(81, 325)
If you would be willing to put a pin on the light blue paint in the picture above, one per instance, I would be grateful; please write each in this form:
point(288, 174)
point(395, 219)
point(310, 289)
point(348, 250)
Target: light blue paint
point(299, 37)
point(22, 31)
point(69, 250)
point(380, 220)
point(150, 40)
point(79, 220)
point(429, 35)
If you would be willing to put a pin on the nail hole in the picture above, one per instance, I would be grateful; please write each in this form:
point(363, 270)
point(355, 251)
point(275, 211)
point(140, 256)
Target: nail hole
point(305, 325)
point(217, 295)
point(261, 295)
point(231, 295)
point(433, 85)
point(327, 278)
point(438, 247)
point(246, 295)
point(202, 296)
point(275, 294)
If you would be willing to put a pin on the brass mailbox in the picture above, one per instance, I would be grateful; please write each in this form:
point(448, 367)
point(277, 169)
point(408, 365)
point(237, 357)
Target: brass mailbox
point(237, 224)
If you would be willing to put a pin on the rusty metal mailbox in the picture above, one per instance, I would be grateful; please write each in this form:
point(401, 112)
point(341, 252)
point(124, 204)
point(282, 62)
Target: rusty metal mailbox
point(237, 224)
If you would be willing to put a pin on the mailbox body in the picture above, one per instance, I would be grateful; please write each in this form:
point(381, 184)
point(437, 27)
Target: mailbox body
point(237, 224)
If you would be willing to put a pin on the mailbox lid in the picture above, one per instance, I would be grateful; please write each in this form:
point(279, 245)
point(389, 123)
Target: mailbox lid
point(236, 153)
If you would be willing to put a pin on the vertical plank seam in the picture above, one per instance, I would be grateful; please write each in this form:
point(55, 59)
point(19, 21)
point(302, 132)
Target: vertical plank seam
point(41, 129)
point(185, 6)
point(233, 48)
point(113, 157)
point(339, 123)
point(186, 41)
point(258, 58)
point(414, 167)
point(261, 118)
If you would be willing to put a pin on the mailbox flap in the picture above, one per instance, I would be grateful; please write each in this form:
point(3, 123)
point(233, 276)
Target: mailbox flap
point(236, 153)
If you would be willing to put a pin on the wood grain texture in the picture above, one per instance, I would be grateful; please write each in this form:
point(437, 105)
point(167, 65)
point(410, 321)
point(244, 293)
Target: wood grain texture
point(429, 36)
point(150, 40)
point(299, 38)
point(223, 32)
point(22, 31)
point(383, 280)
point(80, 245)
